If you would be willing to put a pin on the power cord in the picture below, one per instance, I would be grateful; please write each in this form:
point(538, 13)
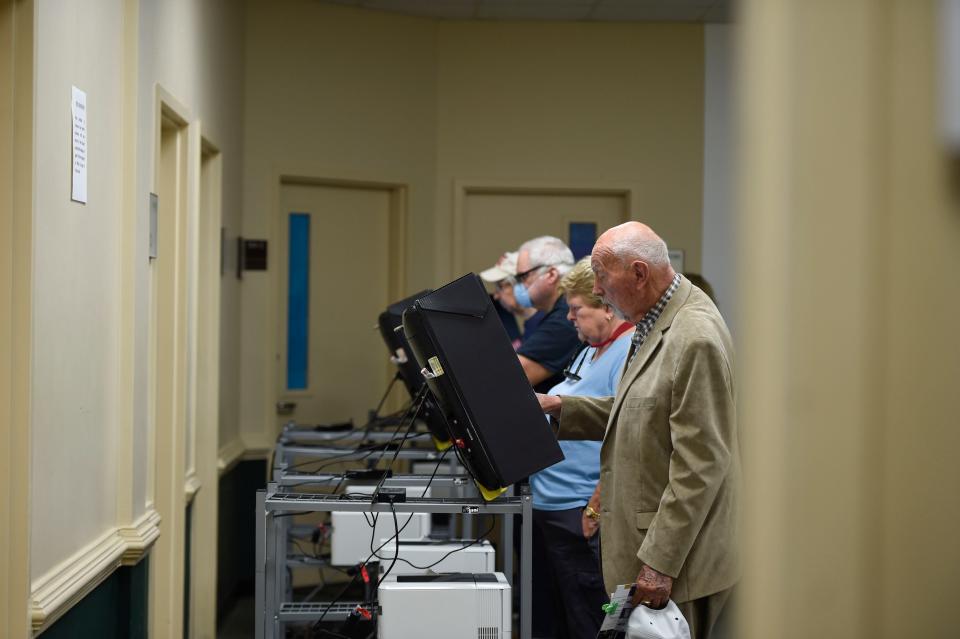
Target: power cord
point(474, 542)
point(372, 448)
point(363, 564)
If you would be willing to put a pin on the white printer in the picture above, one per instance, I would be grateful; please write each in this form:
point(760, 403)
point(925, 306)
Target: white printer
point(453, 556)
point(447, 606)
point(350, 539)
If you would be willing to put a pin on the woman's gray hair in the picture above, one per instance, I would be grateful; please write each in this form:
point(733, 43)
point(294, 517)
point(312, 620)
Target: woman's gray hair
point(549, 251)
point(650, 249)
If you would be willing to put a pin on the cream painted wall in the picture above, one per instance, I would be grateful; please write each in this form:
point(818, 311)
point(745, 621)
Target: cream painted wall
point(91, 443)
point(330, 93)
point(195, 51)
point(76, 285)
point(334, 92)
point(568, 103)
point(16, 257)
point(848, 380)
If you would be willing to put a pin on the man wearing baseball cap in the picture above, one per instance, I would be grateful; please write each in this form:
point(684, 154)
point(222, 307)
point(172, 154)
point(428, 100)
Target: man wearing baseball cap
point(503, 276)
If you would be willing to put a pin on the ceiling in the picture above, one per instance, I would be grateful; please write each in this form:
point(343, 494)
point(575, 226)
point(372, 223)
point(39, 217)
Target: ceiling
point(549, 10)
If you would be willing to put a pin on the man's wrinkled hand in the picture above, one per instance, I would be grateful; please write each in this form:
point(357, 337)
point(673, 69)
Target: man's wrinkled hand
point(549, 404)
point(653, 588)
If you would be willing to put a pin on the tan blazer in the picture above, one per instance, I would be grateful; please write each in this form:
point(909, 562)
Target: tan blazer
point(670, 462)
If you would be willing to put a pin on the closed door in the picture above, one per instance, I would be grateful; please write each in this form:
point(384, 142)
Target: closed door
point(338, 260)
point(495, 222)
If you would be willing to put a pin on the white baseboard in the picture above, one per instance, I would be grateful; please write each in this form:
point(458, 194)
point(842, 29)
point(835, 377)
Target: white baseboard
point(139, 538)
point(67, 583)
point(229, 455)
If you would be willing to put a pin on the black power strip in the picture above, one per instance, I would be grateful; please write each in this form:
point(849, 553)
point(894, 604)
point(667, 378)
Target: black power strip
point(388, 495)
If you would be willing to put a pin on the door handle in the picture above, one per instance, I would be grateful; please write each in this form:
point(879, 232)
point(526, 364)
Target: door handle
point(285, 408)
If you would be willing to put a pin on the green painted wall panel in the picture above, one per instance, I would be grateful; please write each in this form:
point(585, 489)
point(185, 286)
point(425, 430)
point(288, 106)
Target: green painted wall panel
point(236, 532)
point(116, 609)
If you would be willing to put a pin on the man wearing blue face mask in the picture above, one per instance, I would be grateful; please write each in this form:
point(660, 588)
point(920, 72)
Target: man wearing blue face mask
point(541, 263)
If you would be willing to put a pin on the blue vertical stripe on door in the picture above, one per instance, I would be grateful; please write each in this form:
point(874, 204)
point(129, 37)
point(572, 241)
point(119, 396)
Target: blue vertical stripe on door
point(298, 302)
point(583, 235)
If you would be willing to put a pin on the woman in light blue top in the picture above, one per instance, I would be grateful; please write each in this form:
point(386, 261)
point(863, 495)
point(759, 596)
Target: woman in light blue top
point(566, 495)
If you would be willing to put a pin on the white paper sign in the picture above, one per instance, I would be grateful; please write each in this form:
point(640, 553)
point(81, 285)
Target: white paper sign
point(78, 108)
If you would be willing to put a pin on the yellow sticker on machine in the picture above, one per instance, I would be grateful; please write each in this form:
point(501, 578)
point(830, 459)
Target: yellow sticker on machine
point(435, 366)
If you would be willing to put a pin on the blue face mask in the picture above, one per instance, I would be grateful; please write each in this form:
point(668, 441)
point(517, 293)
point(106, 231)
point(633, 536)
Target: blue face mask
point(522, 295)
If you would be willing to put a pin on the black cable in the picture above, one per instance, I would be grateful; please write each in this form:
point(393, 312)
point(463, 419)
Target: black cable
point(312, 555)
point(473, 542)
point(443, 456)
point(334, 459)
point(396, 543)
point(376, 491)
point(343, 477)
point(424, 494)
point(368, 427)
point(372, 448)
point(426, 488)
point(369, 448)
point(396, 453)
point(376, 417)
point(330, 605)
point(380, 547)
point(376, 412)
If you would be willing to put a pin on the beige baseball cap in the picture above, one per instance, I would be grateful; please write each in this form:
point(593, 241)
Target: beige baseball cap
point(505, 267)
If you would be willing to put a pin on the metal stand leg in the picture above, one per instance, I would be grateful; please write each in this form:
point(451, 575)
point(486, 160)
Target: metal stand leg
point(506, 545)
point(260, 600)
point(278, 533)
point(279, 458)
point(283, 534)
point(526, 566)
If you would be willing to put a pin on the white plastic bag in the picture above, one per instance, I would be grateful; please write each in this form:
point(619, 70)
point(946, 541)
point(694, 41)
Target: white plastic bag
point(646, 623)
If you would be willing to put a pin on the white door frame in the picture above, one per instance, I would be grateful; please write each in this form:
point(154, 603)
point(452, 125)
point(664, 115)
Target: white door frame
point(169, 485)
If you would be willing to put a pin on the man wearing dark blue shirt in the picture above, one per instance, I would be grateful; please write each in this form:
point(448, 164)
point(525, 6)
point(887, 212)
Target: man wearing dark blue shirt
point(544, 353)
point(541, 263)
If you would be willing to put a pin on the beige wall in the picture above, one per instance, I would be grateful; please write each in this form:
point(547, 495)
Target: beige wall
point(574, 104)
point(342, 93)
point(16, 255)
point(76, 287)
point(91, 439)
point(334, 94)
point(850, 360)
point(195, 52)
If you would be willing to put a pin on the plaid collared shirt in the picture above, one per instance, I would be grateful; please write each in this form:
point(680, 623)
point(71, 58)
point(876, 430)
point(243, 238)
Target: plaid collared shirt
point(645, 324)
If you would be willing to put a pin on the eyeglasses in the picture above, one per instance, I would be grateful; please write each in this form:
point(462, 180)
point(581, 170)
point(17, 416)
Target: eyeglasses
point(521, 277)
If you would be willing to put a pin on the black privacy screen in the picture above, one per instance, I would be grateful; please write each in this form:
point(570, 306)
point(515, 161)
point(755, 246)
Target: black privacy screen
point(388, 322)
point(473, 372)
point(407, 366)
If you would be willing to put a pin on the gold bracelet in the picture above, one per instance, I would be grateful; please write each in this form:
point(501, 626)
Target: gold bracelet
point(591, 513)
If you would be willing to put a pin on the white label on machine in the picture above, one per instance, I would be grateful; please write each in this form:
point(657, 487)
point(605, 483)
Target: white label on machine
point(435, 366)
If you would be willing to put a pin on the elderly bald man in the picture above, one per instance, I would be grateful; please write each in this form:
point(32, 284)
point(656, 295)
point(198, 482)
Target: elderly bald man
point(670, 461)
